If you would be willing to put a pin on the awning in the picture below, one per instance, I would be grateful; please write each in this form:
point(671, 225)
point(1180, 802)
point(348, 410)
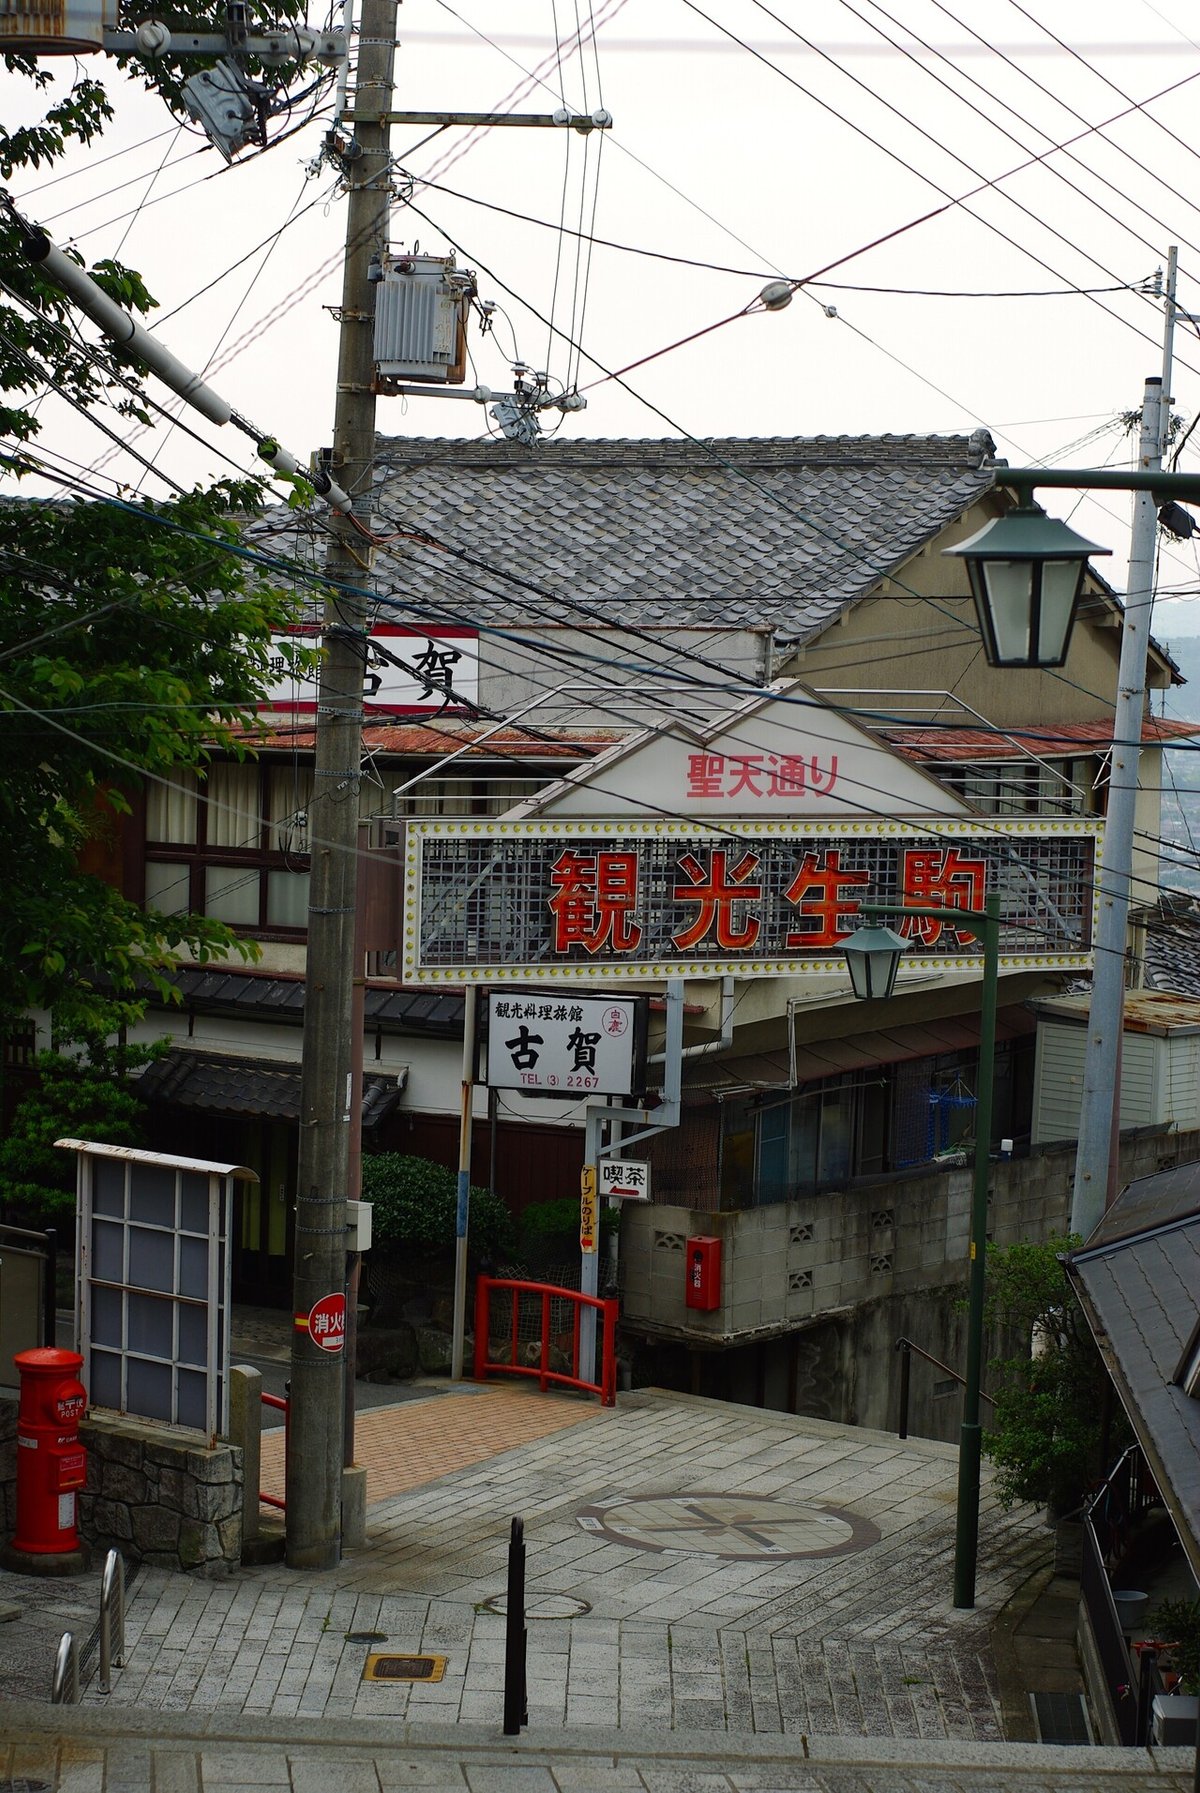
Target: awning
point(240, 1087)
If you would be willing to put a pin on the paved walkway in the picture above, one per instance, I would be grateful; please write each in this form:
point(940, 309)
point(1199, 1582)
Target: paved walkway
point(692, 1565)
point(72, 1750)
point(424, 1441)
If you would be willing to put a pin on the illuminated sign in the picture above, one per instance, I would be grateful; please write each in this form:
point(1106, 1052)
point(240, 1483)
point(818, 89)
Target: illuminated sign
point(406, 673)
point(603, 900)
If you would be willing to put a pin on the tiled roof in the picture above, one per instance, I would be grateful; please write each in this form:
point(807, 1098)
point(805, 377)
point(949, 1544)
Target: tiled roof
point(228, 1083)
point(1140, 1296)
point(926, 744)
point(273, 998)
point(1172, 957)
point(724, 534)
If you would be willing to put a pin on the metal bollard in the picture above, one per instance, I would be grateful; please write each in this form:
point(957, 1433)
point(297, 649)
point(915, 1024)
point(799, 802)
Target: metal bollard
point(64, 1686)
point(905, 1350)
point(112, 1618)
point(516, 1702)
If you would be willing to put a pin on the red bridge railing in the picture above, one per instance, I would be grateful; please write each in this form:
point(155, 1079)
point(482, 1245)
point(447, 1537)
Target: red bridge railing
point(548, 1335)
point(284, 1407)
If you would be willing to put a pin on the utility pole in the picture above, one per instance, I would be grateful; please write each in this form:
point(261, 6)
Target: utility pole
point(1100, 1113)
point(327, 1119)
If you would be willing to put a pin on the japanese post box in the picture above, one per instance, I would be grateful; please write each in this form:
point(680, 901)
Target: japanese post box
point(703, 1274)
point(51, 1462)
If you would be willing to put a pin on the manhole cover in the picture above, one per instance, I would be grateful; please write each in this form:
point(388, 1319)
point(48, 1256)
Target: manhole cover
point(366, 1637)
point(404, 1668)
point(743, 1526)
point(541, 1606)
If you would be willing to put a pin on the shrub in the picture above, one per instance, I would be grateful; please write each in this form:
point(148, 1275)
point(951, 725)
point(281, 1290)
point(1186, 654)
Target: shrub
point(560, 1219)
point(414, 1203)
point(82, 1096)
point(1046, 1425)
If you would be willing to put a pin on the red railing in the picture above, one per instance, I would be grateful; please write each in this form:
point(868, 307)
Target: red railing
point(273, 1500)
point(606, 1314)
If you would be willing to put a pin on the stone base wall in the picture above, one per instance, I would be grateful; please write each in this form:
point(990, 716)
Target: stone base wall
point(155, 1495)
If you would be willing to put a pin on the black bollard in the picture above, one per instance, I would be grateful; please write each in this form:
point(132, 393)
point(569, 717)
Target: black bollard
point(516, 1704)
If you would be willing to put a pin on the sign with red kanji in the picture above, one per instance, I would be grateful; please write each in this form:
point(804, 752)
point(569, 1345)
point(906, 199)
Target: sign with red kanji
point(582, 901)
point(325, 1322)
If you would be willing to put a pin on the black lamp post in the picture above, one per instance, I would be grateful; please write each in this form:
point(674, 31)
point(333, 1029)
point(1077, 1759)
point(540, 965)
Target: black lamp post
point(873, 958)
point(1026, 571)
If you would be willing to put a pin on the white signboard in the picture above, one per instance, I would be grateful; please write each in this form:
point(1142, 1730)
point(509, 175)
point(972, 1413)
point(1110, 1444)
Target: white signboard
point(626, 1178)
point(406, 673)
point(564, 1044)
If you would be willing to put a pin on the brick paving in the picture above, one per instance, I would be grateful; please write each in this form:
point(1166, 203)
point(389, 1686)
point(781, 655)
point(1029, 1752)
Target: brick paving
point(406, 1446)
point(863, 1644)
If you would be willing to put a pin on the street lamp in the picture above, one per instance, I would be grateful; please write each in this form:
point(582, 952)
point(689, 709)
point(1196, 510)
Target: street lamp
point(873, 958)
point(1026, 572)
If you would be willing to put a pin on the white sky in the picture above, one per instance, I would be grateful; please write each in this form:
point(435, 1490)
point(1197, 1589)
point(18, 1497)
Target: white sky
point(717, 157)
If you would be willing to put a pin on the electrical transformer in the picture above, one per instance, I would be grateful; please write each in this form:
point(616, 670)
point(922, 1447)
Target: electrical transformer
point(421, 307)
point(55, 27)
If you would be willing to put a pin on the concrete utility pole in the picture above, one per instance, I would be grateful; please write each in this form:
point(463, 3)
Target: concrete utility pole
point(314, 1459)
point(1099, 1118)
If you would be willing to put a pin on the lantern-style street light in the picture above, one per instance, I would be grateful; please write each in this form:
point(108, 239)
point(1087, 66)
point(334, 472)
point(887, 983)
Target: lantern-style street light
point(873, 959)
point(1026, 571)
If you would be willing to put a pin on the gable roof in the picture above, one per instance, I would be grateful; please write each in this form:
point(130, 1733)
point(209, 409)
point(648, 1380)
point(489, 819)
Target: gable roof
point(777, 533)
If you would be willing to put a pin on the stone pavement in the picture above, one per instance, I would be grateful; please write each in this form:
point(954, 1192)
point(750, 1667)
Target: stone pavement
point(692, 1565)
point(73, 1750)
point(720, 1600)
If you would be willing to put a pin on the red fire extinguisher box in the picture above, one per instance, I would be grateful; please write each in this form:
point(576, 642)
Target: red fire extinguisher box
point(703, 1262)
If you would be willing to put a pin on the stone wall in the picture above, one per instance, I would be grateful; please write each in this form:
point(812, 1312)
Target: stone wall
point(155, 1495)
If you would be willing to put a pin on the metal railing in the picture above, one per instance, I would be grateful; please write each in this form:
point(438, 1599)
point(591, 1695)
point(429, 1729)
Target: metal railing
point(1116, 1664)
point(906, 1347)
point(112, 1619)
point(64, 1683)
point(1108, 1515)
point(284, 1407)
point(547, 1294)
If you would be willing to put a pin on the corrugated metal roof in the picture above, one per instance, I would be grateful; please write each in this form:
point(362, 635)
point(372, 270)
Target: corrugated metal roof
point(423, 739)
point(1047, 740)
point(829, 1058)
point(1146, 1011)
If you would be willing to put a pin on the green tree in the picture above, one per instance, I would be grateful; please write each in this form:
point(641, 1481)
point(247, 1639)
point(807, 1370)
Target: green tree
point(134, 640)
point(1047, 1425)
point(80, 1095)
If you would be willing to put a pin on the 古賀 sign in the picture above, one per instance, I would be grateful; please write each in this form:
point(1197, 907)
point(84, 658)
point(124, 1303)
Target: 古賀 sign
point(565, 1046)
point(405, 673)
point(604, 900)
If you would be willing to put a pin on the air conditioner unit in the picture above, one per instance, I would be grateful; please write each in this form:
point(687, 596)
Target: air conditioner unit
point(421, 307)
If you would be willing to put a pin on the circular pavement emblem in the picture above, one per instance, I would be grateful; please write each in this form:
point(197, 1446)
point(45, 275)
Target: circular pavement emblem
point(731, 1525)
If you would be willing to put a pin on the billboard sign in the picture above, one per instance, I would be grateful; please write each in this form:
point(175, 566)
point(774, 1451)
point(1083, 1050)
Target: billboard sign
point(549, 1043)
point(627, 1179)
point(597, 901)
point(406, 674)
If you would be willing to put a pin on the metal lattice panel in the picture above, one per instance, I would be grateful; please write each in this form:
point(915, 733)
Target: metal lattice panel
point(665, 899)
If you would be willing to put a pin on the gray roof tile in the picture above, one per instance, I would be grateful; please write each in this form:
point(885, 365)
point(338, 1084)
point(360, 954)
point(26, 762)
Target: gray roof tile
point(778, 532)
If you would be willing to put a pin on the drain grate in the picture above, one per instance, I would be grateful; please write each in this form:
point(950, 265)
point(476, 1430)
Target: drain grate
point(1061, 1718)
point(24, 1786)
point(404, 1668)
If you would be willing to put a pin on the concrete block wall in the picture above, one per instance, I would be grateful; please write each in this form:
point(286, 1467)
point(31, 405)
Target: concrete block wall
point(787, 1264)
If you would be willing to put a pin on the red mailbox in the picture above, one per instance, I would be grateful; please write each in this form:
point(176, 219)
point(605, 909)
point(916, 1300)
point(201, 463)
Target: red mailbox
point(703, 1274)
point(51, 1462)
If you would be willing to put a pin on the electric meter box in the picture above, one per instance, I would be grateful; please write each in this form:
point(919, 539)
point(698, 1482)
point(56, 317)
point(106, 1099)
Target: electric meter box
point(421, 307)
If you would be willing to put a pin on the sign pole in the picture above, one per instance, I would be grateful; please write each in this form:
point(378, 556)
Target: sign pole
point(589, 1261)
point(463, 1211)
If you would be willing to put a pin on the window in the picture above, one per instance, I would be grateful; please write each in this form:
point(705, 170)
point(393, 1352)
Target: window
point(233, 845)
point(781, 1144)
point(1023, 787)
